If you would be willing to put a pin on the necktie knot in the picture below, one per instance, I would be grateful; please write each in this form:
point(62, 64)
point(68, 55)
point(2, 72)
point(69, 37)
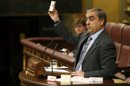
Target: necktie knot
point(90, 38)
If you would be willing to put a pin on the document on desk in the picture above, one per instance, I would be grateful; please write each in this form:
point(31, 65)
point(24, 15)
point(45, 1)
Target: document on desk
point(119, 81)
point(90, 80)
point(56, 70)
point(82, 80)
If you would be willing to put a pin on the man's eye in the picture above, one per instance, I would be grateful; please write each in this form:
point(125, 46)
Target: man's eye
point(91, 18)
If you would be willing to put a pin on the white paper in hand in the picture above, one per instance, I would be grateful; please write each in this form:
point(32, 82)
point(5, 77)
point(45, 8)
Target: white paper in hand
point(52, 6)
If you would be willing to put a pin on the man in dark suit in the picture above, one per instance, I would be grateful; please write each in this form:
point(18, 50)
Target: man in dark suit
point(98, 59)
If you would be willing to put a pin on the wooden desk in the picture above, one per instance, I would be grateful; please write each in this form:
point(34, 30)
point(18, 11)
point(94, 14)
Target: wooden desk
point(27, 80)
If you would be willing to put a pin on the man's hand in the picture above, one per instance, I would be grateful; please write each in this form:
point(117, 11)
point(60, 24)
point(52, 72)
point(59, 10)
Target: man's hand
point(78, 73)
point(54, 15)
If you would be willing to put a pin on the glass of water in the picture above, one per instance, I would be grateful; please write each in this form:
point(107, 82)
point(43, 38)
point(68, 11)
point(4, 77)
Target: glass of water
point(53, 63)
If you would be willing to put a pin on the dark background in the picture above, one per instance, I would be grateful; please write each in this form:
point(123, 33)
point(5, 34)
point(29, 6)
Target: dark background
point(11, 7)
point(30, 18)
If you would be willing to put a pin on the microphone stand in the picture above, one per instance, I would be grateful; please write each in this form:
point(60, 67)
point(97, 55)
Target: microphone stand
point(46, 48)
point(52, 57)
point(41, 63)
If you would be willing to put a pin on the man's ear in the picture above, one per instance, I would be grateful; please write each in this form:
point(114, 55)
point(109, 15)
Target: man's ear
point(102, 22)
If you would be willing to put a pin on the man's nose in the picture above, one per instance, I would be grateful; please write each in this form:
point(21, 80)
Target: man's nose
point(87, 23)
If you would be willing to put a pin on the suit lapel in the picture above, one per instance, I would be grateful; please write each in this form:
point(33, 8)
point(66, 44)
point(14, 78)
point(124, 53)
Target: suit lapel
point(92, 48)
point(85, 36)
point(82, 40)
point(94, 45)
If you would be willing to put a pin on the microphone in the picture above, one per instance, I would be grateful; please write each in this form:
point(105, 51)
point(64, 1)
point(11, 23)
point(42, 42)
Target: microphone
point(42, 75)
point(46, 48)
point(52, 56)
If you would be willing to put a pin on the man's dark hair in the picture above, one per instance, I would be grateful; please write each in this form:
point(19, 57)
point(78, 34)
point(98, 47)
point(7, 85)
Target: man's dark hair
point(100, 13)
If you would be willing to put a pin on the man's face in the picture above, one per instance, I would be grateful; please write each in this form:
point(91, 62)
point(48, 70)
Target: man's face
point(79, 28)
point(93, 23)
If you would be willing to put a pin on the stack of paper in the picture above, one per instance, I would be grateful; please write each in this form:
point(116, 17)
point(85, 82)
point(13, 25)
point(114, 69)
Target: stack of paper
point(90, 80)
point(82, 80)
point(56, 70)
point(119, 81)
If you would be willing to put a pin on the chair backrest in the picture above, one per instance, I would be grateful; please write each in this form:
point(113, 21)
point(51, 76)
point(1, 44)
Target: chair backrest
point(108, 28)
point(125, 49)
point(115, 32)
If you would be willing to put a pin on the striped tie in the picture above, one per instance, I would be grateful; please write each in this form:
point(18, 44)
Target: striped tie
point(83, 53)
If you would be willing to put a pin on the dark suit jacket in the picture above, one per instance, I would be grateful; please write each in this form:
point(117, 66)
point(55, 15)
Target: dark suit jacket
point(100, 60)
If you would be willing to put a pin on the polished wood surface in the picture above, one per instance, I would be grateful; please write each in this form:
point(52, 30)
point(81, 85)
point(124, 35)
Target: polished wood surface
point(27, 80)
point(41, 48)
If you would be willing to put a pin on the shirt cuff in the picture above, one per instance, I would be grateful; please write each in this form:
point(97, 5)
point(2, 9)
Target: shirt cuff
point(57, 22)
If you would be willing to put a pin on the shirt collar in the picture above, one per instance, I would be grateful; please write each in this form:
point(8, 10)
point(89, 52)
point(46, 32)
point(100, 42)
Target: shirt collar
point(95, 35)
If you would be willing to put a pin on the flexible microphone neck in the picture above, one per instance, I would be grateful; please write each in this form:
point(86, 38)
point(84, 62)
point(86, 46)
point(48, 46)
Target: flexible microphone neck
point(46, 48)
point(41, 63)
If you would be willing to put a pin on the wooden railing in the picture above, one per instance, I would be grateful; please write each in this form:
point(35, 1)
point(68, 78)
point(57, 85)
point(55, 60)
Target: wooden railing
point(36, 48)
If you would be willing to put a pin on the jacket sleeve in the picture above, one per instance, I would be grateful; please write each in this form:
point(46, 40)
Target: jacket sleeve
point(64, 32)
